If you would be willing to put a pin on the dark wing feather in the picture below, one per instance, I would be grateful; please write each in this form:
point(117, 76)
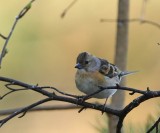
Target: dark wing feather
point(103, 62)
point(109, 70)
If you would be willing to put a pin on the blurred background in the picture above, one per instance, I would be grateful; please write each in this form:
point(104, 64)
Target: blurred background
point(44, 47)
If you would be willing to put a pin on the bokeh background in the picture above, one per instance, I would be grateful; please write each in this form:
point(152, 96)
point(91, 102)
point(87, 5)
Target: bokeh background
point(44, 47)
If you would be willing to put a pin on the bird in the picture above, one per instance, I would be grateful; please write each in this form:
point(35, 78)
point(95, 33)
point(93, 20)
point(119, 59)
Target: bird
point(94, 72)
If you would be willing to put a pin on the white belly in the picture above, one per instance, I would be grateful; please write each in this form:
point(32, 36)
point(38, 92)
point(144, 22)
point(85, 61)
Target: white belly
point(89, 85)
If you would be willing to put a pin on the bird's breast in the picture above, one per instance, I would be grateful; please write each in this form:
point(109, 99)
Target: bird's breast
point(89, 82)
point(94, 78)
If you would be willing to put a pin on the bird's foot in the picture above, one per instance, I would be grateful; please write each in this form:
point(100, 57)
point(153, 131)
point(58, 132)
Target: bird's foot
point(103, 110)
point(80, 99)
point(104, 106)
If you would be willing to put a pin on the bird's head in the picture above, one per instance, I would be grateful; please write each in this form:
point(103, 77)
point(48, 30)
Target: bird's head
point(87, 62)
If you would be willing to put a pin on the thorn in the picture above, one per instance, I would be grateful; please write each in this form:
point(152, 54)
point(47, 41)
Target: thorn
point(148, 89)
point(132, 93)
point(82, 109)
point(22, 114)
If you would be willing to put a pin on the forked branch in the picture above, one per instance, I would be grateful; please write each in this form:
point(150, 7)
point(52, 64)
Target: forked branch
point(18, 17)
point(57, 95)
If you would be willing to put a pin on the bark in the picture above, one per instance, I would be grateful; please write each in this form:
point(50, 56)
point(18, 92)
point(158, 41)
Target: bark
point(120, 58)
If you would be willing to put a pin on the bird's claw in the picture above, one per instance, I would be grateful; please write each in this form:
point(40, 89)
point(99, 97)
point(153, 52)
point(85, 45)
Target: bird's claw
point(80, 99)
point(103, 109)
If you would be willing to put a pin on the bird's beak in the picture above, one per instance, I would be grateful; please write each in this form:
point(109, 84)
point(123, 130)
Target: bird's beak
point(78, 66)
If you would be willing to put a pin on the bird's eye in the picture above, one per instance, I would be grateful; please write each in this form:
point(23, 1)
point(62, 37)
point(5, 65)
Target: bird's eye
point(86, 62)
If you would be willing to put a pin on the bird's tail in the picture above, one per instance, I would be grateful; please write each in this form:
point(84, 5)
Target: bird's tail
point(125, 73)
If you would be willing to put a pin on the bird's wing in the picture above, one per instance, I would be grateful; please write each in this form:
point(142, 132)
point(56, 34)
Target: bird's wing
point(108, 69)
point(111, 70)
point(114, 71)
point(103, 62)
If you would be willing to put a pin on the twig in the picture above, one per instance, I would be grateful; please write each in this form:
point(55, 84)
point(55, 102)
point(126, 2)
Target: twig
point(133, 91)
point(12, 91)
point(135, 103)
point(81, 109)
point(3, 36)
point(24, 85)
point(142, 21)
point(155, 125)
point(63, 14)
point(41, 108)
point(145, 95)
point(63, 93)
point(20, 15)
point(56, 97)
point(3, 121)
point(125, 88)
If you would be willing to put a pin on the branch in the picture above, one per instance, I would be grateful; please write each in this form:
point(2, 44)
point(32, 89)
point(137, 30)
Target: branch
point(12, 90)
point(132, 90)
point(41, 108)
point(63, 93)
point(23, 110)
point(65, 97)
point(20, 15)
point(155, 125)
point(63, 14)
point(142, 21)
point(3, 36)
point(135, 103)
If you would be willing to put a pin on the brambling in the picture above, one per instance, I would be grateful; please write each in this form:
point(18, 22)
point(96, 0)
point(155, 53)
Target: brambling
point(93, 72)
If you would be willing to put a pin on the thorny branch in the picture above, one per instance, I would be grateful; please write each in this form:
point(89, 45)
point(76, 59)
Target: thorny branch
point(65, 97)
point(20, 15)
